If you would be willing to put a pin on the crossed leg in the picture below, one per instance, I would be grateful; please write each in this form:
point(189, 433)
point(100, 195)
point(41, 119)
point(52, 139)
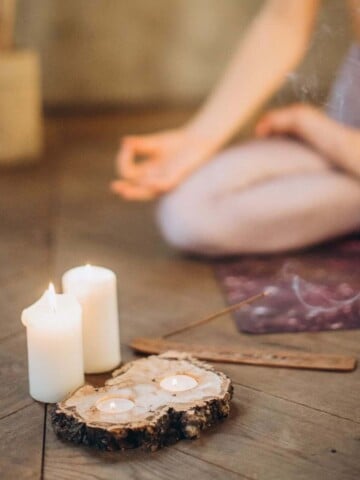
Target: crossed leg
point(265, 196)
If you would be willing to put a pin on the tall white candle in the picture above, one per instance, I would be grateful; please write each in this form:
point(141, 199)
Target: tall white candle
point(54, 341)
point(95, 288)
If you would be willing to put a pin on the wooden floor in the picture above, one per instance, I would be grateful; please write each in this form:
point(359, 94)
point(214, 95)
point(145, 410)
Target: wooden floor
point(284, 425)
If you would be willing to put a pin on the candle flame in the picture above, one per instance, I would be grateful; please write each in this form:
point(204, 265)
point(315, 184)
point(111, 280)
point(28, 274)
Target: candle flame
point(51, 297)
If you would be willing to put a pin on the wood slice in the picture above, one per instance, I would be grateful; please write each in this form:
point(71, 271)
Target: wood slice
point(158, 417)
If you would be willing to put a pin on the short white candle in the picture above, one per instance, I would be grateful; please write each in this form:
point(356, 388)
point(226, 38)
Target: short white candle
point(54, 342)
point(178, 383)
point(114, 404)
point(95, 289)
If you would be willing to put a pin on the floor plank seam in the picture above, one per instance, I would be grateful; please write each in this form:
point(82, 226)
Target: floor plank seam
point(296, 403)
point(11, 335)
point(213, 464)
point(43, 444)
point(16, 411)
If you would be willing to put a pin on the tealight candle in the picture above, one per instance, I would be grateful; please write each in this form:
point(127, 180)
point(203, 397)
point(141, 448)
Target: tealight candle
point(54, 342)
point(114, 404)
point(178, 383)
point(95, 289)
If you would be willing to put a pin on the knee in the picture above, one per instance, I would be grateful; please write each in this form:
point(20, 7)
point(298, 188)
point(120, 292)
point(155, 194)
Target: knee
point(178, 220)
point(173, 221)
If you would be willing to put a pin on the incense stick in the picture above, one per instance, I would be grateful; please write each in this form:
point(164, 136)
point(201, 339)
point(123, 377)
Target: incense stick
point(208, 319)
point(271, 358)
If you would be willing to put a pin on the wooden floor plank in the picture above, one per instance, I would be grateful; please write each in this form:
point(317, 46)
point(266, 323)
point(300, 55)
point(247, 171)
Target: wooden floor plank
point(113, 235)
point(161, 293)
point(20, 443)
point(269, 438)
point(25, 229)
point(285, 424)
point(330, 392)
point(14, 389)
point(26, 204)
point(66, 462)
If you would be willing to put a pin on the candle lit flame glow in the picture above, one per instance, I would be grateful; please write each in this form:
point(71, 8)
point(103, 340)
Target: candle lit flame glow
point(51, 297)
point(114, 404)
point(178, 383)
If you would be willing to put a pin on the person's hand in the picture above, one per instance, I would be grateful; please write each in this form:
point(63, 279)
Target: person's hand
point(338, 143)
point(307, 123)
point(166, 159)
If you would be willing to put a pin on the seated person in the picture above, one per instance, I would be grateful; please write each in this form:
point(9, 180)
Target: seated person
point(297, 184)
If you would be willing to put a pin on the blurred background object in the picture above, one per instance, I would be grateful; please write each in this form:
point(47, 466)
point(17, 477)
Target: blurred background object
point(159, 52)
point(20, 96)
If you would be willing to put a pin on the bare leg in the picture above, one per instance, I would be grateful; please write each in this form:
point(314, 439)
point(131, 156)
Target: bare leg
point(266, 196)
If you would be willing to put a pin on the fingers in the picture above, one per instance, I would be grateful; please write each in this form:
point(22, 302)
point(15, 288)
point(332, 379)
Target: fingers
point(125, 161)
point(275, 122)
point(159, 183)
point(131, 191)
point(126, 165)
point(143, 145)
point(145, 187)
point(156, 176)
point(161, 171)
point(287, 120)
point(308, 124)
point(163, 176)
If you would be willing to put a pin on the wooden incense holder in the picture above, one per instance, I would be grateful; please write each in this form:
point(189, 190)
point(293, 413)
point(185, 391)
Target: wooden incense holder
point(159, 417)
point(267, 358)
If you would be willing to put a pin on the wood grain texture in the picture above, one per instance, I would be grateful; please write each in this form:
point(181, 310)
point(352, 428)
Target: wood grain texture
point(21, 443)
point(148, 425)
point(286, 424)
point(260, 357)
point(325, 391)
point(14, 390)
point(25, 227)
point(271, 438)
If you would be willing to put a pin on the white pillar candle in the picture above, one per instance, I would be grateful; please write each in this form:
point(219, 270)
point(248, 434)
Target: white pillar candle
point(95, 288)
point(178, 383)
point(54, 342)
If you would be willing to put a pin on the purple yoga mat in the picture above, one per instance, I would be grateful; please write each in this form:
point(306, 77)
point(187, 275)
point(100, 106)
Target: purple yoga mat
point(310, 291)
